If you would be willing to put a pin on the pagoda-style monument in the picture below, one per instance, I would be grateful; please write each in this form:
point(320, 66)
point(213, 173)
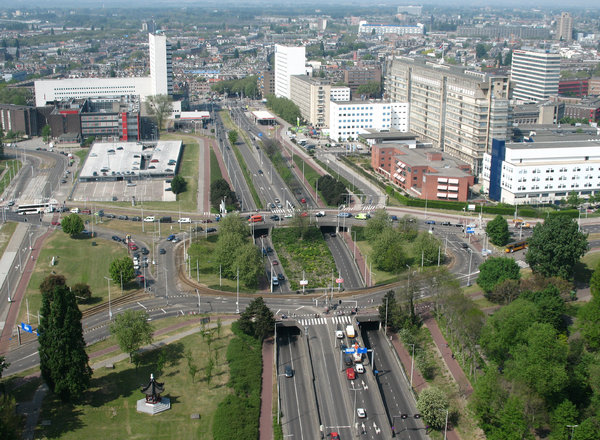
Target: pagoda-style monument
point(153, 403)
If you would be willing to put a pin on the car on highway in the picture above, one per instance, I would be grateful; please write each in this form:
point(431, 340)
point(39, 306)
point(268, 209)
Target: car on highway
point(361, 413)
point(171, 237)
point(133, 246)
point(332, 235)
point(289, 372)
point(275, 218)
point(446, 224)
point(360, 368)
point(350, 373)
point(184, 220)
point(123, 217)
point(464, 245)
point(110, 216)
point(116, 238)
point(136, 219)
point(75, 210)
point(430, 222)
point(275, 263)
point(459, 225)
point(260, 172)
point(145, 251)
point(344, 215)
point(211, 229)
point(335, 436)
point(162, 251)
point(63, 181)
point(362, 216)
point(280, 277)
point(150, 219)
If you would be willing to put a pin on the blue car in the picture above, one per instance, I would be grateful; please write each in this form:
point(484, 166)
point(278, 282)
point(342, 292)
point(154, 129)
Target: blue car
point(430, 222)
point(393, 218)
point(171, 237)
point(344, 214)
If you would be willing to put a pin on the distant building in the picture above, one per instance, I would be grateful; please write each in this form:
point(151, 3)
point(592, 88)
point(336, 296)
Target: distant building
point(312, 96)
point(160, 81)
point(422, 172)
point(266, 83)
point(574, 87)
point(288, 61)
point(456, 109)
point(594, 86)
point(356, 77)
point(504, 32)
point(534, 74)
point(382, 29)
point(21, 118)
point(546, 113)
point(565, 27)
point(544, 170)
point(410, 10)
point(348, 120)
point(583, 109)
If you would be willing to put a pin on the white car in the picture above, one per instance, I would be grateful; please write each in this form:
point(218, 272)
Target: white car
point(184, 220)
point(150, 219)
point(75, 210)
point(359, 368)
point(288, 215)
point(361, 413)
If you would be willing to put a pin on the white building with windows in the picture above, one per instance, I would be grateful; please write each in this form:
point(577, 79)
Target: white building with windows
point(160, 81)
point(542, 171)
point(288, 61)
point(382, 29)
point(534, 74)
point(347, 120)
point(340, 93)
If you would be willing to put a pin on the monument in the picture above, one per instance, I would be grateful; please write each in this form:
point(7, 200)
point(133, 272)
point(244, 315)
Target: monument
point(153, 403)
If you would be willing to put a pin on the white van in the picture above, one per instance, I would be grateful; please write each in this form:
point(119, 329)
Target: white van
point(359, 368)
point(339, 334)
point(150, 219)
point(184, 220)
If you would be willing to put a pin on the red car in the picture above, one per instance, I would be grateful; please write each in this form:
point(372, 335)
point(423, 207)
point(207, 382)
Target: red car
point(304, 214)
point(350, 373)
point(86, 211)
point(55, 223)
point(275, 262)
point(335, 436)
point(133, 246)
point(303, 200)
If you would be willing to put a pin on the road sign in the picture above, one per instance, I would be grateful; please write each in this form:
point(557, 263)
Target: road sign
point(470, 230)
point(303, 282)
point(362, 350)
point(339, 280)
point(26, 327)
point(349, 350)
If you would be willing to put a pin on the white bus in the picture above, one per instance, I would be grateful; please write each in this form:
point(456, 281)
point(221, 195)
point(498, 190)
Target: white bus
point(35, 208)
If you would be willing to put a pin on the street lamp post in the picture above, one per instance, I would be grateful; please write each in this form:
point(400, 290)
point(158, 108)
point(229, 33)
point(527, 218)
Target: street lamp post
point(572, 429)
point(470, 261)
point(108, 280)
point(237, 300)
point(412, 364)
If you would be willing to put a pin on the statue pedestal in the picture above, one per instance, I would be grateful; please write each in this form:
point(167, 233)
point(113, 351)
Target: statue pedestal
point(153, 408)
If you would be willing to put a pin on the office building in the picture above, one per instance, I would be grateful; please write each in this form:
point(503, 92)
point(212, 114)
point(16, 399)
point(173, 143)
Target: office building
point(312, 96)
point(348, 120)
point(565, 27)
point(422, 172)
point(21, 118)
point(544, 170)
point(356, 77)
point(340, 93)
point(398, 29)
point(266, 83)
point(288, 61)
point(534, 75)
point(456, 110)
point(574, 87)
point(160, 80)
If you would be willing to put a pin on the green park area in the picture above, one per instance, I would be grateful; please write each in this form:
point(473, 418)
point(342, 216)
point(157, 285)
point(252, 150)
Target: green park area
point(79, 260)
point(108, 408)
point(304, 254)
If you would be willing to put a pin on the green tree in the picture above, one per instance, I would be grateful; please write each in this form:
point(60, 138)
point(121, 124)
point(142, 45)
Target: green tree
point(219, 190)
point(488, 398)
point(300, 224)
point(371, 89)
point(232, 135)
point(480, 51)
point(432, 405)
point(160, 107)
point(589, 429)
point(46, 133)
point(82, 292)
point(387, 252)
point(379, 221)
point(588, 323)
point(249, 261)
point(504, 292)
point(178, 184)
point(564, 414)
point(427, 248)
point(540, 361)
point(3, 365)
point(573, 200)
point(72, 224)
point(209, 370)
point(234, 224)
point(555, 247)
point(132, 330)
point(10, 419)
point(497, 231)
point(121, 270)
point(495, 270)
point(63, 359)
point(511, 423)
point(225, 253)
point(285, 108)
point(551, 306)
point(192, 367)
point(257, 320)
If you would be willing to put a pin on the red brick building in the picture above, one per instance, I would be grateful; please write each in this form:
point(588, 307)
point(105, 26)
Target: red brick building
point(423, 172)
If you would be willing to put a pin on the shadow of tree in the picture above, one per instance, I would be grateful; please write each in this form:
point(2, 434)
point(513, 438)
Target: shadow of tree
point(63, 416)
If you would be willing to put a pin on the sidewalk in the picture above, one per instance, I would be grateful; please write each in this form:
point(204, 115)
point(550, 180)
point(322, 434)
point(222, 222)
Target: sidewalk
point(266, 395)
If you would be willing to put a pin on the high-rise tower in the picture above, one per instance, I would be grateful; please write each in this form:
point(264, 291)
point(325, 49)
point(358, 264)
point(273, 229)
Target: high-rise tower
point(565, 27)
point(535, 74)
point(288, 61)
point(161, 68)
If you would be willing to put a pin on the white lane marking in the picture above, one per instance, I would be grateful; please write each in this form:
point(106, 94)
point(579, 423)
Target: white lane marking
point(142, 305)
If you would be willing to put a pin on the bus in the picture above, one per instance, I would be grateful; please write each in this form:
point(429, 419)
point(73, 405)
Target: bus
point(255, 218)
point(35, 208)
point(516, 246)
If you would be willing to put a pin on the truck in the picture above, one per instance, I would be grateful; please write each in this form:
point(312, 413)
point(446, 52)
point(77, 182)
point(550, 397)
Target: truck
point(350, 331)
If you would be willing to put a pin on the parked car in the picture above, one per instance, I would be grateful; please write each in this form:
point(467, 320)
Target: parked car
point(110, 216)
point(184, 220)
point(211, 230)
point(116, 238)
point(123, 217)
point(150, 219)
point(136, 219)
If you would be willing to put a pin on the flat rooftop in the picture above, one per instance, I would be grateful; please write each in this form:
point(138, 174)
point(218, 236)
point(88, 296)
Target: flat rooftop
point(127, 160)
point(262, 114)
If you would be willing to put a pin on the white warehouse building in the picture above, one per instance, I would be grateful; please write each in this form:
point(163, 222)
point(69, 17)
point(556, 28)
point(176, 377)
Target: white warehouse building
point(543, 171)
point(350, 119)
point(160, 81)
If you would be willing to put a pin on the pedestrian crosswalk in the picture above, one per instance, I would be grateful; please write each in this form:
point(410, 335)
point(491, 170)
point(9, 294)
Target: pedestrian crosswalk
point(324, 321)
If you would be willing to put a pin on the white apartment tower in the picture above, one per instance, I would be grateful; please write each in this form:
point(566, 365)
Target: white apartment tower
point(161, 68)
point(534, 75)
point(565, 27)
point(288, 61)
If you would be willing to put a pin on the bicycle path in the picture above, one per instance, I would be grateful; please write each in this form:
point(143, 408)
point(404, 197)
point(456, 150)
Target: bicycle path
point(266, 395)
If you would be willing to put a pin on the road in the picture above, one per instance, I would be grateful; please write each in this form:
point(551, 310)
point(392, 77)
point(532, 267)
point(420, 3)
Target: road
point(344, 261)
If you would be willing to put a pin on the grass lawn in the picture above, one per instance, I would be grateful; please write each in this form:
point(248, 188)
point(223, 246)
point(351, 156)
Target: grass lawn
point(15, 165)
point(215, 169)
point(108, 408)
point(310, 175)
point(378, 276)
point(79, 262)
point(6, 232)
point(203, 269)
point(309, 255)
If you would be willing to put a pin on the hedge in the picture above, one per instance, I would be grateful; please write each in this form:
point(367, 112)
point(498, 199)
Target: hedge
point(237, 416)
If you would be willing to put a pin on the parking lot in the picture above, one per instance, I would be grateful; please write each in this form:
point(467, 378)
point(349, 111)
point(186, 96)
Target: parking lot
point(142, 190)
